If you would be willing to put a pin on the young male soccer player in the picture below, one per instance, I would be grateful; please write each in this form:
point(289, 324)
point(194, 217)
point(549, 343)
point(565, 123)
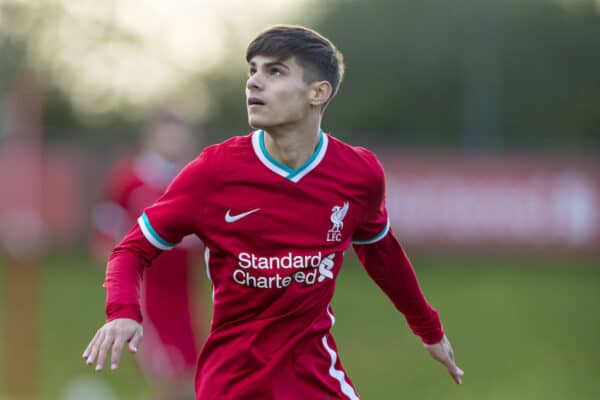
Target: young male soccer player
point(276, 209)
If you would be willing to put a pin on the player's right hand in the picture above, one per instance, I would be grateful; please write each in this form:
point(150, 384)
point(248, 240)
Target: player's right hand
point(112, 337)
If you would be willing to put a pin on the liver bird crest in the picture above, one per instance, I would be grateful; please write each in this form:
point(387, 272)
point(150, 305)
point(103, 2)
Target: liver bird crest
point(337, 216)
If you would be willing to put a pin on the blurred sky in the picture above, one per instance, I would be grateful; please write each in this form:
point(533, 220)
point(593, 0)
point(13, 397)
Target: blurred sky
point(134, 51)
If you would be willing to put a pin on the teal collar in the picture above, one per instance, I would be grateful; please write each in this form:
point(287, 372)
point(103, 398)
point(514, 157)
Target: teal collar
point(258, 143)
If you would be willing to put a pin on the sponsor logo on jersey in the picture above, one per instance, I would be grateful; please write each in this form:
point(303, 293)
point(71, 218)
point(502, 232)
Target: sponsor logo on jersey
point(306, 270)
point(233, 218)
point(338, 213)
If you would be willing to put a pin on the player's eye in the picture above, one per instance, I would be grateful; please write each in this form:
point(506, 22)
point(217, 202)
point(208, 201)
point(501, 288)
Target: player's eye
point(275, 71)
point(251, 71)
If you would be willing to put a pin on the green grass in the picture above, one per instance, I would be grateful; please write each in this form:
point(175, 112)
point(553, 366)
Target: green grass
point(522, 328)
point(72, 310)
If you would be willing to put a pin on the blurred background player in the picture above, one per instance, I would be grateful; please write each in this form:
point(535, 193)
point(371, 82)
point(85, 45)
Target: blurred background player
point(172, 329)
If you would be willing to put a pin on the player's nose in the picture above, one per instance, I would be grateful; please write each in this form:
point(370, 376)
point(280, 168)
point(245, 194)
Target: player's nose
point(254, 82)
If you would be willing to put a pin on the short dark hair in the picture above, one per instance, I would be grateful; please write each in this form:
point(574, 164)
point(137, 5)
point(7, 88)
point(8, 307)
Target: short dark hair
point(314, 52)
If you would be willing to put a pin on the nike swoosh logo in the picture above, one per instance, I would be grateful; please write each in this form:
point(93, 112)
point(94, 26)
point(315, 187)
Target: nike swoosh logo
point(232, 218)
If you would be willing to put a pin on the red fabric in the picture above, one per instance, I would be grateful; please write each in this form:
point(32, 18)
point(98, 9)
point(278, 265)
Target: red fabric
point(163, 300)
point(275, 247)
point(388, 265)
point(124, 273)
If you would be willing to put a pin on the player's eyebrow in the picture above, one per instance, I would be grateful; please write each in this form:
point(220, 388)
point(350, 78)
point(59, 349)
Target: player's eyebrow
point(276, 63)
point(270, 64)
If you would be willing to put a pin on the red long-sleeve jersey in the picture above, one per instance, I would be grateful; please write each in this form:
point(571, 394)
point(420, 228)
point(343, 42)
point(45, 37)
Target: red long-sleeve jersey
point(275, 239)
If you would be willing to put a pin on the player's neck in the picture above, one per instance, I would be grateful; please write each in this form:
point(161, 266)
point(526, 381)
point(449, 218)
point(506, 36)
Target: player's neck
point(292, 147)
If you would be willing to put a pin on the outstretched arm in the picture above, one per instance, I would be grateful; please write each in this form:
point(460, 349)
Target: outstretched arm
point(388, 265)
point(160, 227)
point(123, 276)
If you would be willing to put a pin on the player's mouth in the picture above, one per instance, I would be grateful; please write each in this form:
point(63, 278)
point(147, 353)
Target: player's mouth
point(255, 102)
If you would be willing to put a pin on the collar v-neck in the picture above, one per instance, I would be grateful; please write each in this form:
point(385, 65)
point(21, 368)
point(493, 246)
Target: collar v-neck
point(294, 175)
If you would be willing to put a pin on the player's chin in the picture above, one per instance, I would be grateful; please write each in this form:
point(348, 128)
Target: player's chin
point(257, 122)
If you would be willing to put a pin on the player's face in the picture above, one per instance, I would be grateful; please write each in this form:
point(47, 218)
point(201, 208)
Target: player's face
point(276, 93)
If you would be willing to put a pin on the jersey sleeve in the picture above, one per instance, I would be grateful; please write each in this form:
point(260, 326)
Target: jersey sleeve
point(160, 227)
point(375, 224)
point(124, 272)
point(388, 265)
point(176, 213)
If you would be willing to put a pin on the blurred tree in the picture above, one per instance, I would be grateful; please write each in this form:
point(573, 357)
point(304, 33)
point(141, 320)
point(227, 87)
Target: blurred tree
point(408, 63)
point(12, 61)
point(404, 65)
point(552, 74)
point(426, 73)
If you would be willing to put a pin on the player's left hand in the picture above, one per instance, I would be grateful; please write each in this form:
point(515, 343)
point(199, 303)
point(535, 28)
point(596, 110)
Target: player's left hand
point(442, 351)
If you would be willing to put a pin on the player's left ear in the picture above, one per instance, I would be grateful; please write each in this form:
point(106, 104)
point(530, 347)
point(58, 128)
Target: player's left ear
point(320, 93)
